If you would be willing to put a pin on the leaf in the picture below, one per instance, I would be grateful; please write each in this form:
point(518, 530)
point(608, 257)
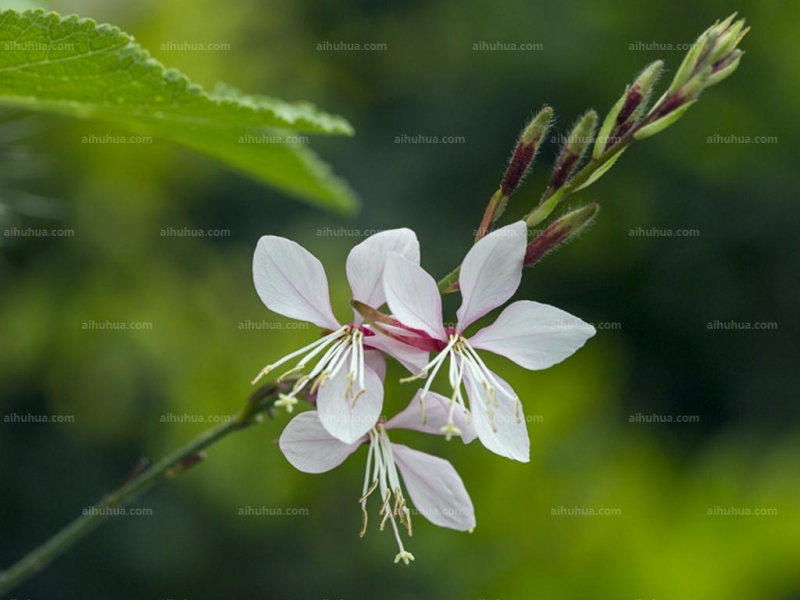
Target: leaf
point(662, 123)
point(75, 67)
point(600, 172)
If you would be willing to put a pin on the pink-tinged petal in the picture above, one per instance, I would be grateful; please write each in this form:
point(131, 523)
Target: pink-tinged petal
point(505, 432)
point(336, 413)
point(292, 282)
point(491, 272)
point(437, 409)
point(435, 488)
point(376, 362)
point(366, 262)
point(411, 358)
point(309, 448)
point(533, 335)
point(413, 296)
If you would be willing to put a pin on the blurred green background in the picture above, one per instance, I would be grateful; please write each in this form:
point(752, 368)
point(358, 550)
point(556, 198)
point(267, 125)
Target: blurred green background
point(657, 294)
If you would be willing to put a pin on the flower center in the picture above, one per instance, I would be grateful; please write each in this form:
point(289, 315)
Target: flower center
point(465, 363)
point(381, 474)
point(343, 348)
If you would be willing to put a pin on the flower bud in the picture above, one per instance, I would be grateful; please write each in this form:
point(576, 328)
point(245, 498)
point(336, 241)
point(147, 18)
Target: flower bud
point(573, 149)
point(526, 149)
point(560, 232)
point(638, 94)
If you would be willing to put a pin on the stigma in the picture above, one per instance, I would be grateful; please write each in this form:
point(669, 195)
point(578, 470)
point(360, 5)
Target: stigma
point(381, 475)
point(465, 366)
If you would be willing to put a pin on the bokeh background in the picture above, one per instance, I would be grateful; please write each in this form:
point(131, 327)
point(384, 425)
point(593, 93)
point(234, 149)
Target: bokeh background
point(655, 296)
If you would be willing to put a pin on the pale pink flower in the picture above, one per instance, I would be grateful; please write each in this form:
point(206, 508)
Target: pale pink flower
point(349, 365)
point(432, 483)
point(533, 335)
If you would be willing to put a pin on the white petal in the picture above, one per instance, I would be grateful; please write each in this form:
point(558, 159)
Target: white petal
point(292, 282)
point(366, 262)
point(311, 449)
point(411, 358)
point(413, 296)
point(533, 335)
point(339, 417)
point(437, 408)
point(504, 434)
point(376, 362)
point(435, 489)
point(491, 272)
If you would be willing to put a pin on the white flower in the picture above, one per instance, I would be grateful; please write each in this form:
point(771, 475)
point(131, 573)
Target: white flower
point(347, 375)
point(533, 335)
point(431, 482)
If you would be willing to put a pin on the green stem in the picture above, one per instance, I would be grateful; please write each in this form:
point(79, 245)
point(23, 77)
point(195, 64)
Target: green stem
point(168, 467)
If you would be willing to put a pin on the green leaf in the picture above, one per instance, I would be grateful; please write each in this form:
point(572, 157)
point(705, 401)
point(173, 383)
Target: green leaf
point(600, 171)
point(662, 123)
point(75, 67)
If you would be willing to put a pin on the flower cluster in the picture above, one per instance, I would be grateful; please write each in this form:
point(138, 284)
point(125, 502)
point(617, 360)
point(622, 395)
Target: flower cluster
point(342, 372)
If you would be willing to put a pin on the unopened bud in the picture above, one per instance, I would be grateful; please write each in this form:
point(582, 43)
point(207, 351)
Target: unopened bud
point(573, 149)
point(714, 51)
point(638, 94)
point(560, 232)
point(527, 146)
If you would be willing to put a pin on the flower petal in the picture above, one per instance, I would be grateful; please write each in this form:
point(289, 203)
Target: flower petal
point(336, 413)
point(502, 433)
point(437, 408)
point(435, 489)
point(367, 260)
point(491, 272)
point(533, 335)
point(411, 358)
point(413, 296)
point(309, 448)
point(292, 282)
point(376, 362)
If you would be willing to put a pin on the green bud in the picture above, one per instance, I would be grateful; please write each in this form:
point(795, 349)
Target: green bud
point(560, 232)
point(725, 71)
point(573, 149)
point(538, 127)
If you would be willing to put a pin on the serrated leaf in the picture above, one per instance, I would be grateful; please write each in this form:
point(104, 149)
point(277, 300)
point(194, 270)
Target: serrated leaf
point(75, 67)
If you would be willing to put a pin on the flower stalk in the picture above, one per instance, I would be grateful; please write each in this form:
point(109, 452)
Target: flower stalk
point(167, 468)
